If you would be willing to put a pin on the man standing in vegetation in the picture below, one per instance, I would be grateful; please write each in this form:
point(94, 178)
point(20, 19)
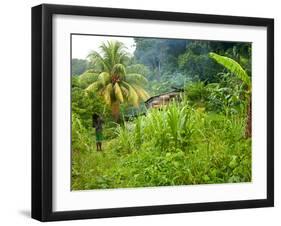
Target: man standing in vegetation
point(97, 123)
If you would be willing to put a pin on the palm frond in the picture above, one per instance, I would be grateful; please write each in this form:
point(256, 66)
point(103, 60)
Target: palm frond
point(107, 53)
point(133, 97)
point(107, 93)
point(143, 95)
point(113, 52)
point(135, 78)
point(117, 52)
point(118, 93)
point(87, 78)
point(97, 60)
point(118, 69)
point(94, 87)
point(125, 91)
point(104, 78)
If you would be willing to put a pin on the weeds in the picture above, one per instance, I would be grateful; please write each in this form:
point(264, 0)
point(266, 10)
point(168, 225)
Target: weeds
point(177, 145)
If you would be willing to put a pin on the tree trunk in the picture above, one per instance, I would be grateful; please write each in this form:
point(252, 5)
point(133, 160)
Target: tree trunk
point(159, 71)
point(248, 132)
point(115, 111)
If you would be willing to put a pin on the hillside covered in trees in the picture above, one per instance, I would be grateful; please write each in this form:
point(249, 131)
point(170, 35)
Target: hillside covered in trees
point(202, 136)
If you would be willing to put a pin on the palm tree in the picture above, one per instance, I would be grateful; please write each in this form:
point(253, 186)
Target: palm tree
point(114, 83)
point(236, 69)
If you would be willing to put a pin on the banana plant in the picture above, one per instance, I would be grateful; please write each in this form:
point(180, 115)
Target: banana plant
point(235, 68)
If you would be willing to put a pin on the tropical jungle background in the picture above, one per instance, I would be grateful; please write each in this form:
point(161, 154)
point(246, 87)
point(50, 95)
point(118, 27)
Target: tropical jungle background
point(203, 136)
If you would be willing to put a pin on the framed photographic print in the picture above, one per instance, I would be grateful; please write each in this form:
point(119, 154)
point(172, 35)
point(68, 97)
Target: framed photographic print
point(145, 112)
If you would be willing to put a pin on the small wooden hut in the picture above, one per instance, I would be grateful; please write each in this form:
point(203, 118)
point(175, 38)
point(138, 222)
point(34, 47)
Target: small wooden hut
point(153, 102)
point(163, 99)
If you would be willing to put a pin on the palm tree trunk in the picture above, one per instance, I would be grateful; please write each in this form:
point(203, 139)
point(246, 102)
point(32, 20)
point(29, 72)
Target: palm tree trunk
point(115, 107)
point(248, 132)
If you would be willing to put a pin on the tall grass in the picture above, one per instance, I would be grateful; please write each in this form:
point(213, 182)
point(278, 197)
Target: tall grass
point(177, 145)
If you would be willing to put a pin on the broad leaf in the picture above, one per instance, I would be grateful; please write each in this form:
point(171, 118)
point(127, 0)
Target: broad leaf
point(232, 66)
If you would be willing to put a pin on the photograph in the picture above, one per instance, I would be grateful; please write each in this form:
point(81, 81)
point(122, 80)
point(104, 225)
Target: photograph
point(149, 112)
point(145, 112)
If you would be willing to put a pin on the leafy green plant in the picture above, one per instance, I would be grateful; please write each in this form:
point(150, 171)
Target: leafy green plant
point(232, 66)
point(176, 146)
point(236, 69)
point(81, 138)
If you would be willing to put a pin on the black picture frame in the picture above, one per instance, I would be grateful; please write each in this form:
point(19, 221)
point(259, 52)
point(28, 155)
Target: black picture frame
point(42, 85)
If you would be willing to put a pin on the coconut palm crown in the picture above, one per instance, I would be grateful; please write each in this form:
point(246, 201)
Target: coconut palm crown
point(116, 82)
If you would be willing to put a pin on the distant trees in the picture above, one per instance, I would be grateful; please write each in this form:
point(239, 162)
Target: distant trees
point(78, 66)
point(158, 54)
point(194, 62)
point(184, 60)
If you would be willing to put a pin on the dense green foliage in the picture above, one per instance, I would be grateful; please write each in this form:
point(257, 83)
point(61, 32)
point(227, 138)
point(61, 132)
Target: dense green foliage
point(174, 62)
point(177, 146)
point(197, 140)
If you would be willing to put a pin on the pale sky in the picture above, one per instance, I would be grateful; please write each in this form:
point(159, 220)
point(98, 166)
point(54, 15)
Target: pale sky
point(82, 45)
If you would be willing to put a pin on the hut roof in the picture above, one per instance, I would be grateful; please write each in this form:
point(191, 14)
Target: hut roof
point(176, 91)
point(133, 112)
